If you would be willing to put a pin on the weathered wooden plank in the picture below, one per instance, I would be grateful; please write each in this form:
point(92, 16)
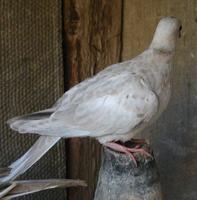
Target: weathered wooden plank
point(92, 33)
point(174, 139)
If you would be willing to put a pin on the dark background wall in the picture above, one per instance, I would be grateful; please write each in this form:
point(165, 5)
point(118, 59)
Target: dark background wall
point(95, 33)
point(175, 134)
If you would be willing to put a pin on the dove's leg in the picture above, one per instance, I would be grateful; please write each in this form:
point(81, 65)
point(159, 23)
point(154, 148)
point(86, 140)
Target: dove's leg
point(120, 148)
point(130, 151)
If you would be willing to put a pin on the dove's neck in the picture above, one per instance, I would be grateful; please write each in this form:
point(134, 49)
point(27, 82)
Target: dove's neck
point(163, 43)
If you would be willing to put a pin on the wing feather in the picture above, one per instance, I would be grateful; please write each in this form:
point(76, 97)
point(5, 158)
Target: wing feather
point(117, 105)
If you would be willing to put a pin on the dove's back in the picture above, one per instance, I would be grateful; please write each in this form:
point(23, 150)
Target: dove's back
point(109, 103)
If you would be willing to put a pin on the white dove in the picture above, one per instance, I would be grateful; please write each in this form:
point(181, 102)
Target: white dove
point(114, 105)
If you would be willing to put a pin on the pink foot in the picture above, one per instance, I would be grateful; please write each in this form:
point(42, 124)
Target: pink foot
point(129, 151)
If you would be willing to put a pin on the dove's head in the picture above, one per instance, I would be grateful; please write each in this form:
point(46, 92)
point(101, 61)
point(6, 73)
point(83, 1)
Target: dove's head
point(167, 32)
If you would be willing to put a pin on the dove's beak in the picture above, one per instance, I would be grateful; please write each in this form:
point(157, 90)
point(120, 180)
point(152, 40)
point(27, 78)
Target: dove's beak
point(180, 31)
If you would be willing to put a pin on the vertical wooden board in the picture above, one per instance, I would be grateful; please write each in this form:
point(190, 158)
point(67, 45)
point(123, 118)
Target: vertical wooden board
point(174, 134)
point(92, 34)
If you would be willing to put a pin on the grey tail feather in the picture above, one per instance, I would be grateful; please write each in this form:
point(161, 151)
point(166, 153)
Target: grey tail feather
point(21, 188)
point(40, 147)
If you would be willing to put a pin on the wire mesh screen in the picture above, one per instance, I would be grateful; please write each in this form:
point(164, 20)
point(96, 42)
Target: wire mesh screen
point(31, 78)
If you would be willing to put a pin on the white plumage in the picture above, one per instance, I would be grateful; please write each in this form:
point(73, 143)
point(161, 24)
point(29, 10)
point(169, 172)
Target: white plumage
point(116, 104)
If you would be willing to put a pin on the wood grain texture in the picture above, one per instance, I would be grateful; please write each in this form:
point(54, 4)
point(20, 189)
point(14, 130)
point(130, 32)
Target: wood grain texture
point(175, 137)
point(92, 34)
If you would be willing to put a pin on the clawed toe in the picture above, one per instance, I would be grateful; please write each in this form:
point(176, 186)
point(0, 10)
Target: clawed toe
point(128, 151)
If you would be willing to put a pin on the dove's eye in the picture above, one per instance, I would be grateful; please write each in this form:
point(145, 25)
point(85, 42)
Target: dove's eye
point(180, 28)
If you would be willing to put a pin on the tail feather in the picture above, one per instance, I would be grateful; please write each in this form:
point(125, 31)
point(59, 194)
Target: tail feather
point(21, 188)
point(39, 123)
point(42, 145)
